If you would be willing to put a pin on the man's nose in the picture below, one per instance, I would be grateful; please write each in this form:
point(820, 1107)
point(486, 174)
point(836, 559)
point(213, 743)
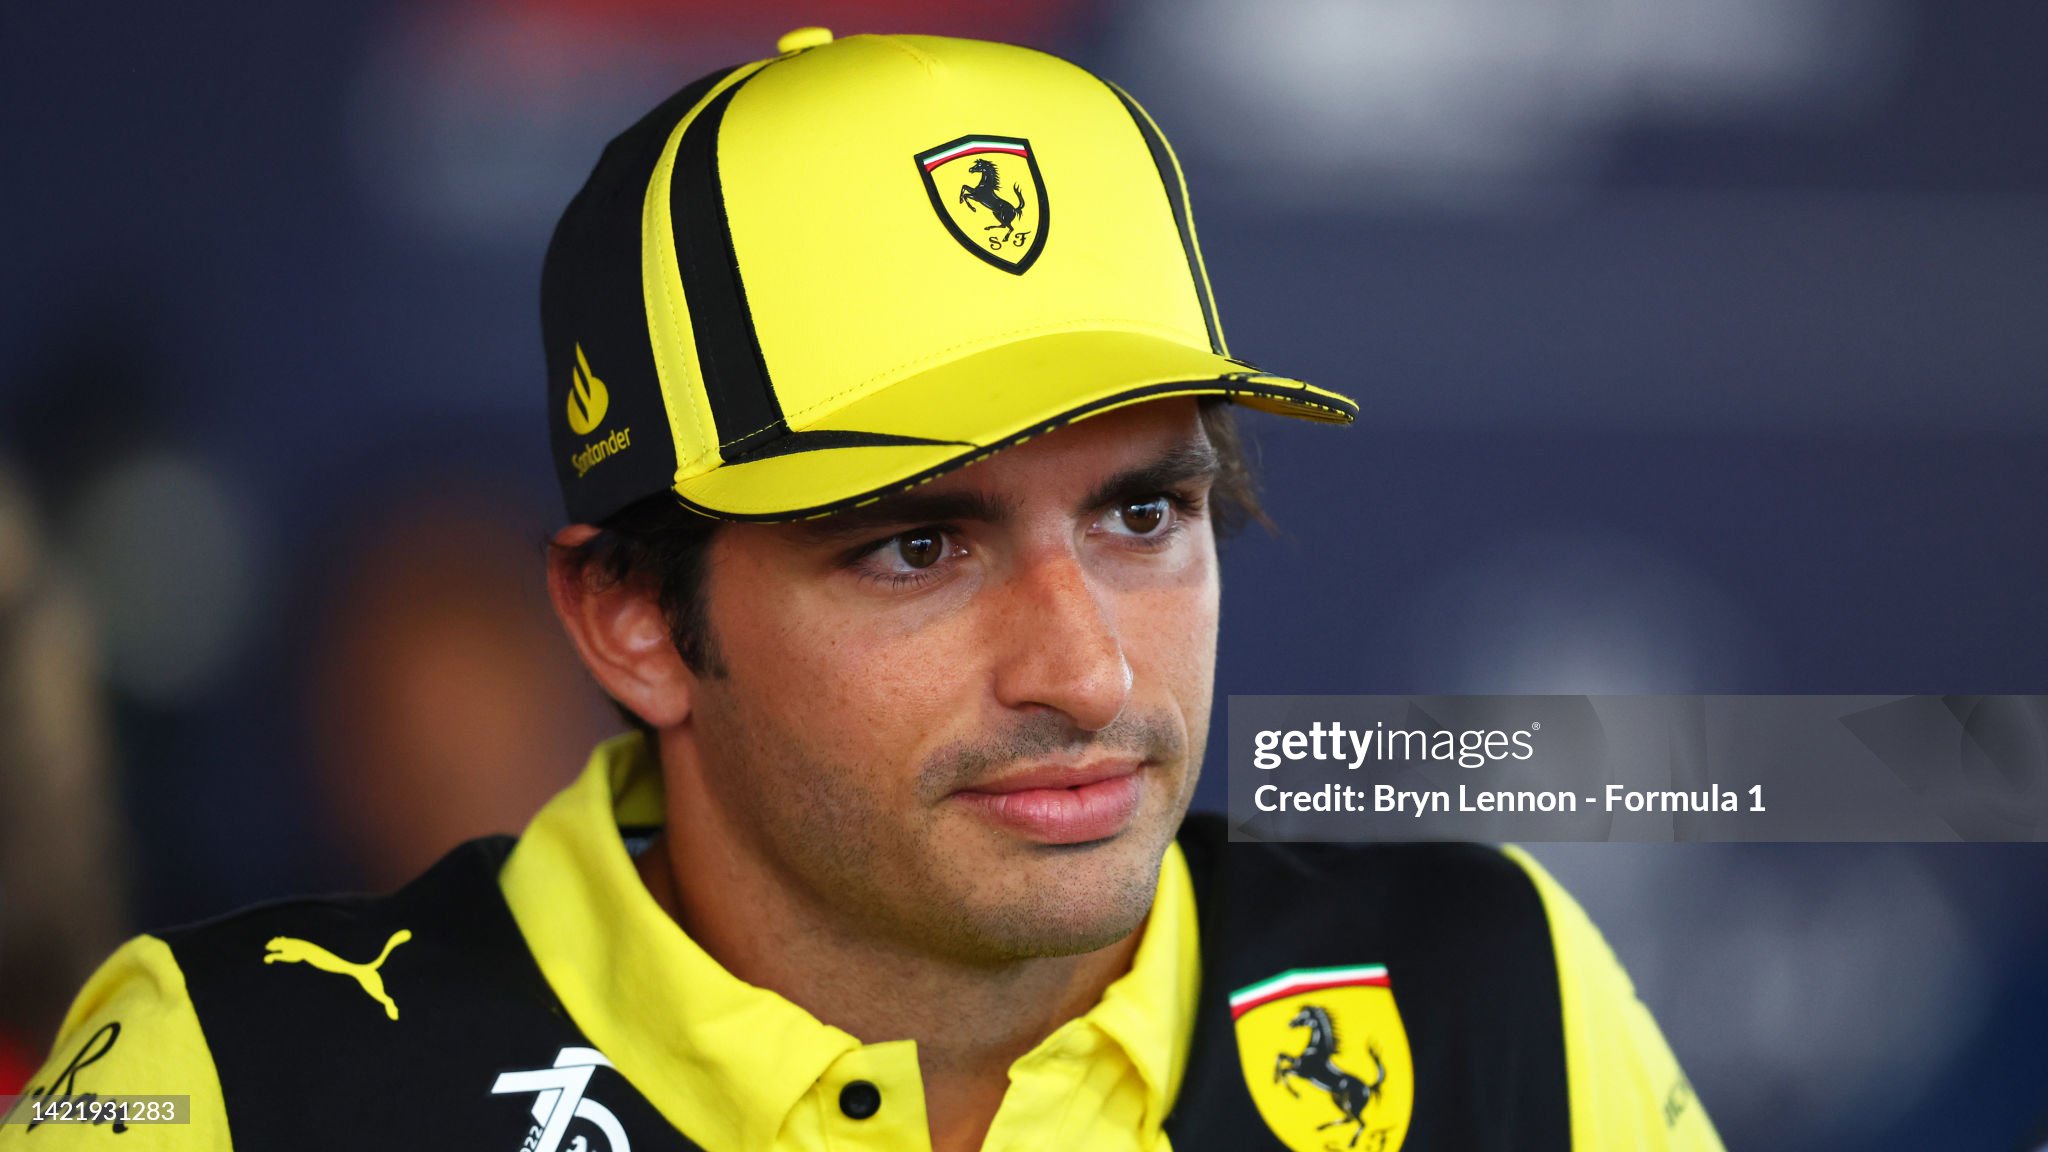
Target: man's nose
point(1060, 648)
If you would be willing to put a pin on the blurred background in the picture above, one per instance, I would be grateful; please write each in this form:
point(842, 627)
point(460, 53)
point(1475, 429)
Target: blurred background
point(1703, 346)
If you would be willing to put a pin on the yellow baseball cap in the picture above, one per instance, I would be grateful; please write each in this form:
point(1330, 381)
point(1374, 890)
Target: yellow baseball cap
point(805, 283)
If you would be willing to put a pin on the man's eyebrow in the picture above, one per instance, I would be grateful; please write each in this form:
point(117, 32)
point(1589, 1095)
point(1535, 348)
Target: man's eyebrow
point(1182, 464)
point(909, 508)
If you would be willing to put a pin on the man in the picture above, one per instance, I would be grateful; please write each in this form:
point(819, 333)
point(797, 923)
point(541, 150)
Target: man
point(886, 399)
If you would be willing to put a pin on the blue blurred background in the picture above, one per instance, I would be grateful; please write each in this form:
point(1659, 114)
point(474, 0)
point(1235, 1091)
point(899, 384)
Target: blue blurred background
point(1703, 346)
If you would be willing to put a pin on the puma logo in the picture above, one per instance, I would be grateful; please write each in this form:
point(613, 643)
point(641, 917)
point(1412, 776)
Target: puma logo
point(292, 950)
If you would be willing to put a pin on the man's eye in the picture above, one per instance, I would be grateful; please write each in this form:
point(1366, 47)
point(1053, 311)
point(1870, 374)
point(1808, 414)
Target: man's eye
point(1144, 517)
point(907, 559)
point(920, 549)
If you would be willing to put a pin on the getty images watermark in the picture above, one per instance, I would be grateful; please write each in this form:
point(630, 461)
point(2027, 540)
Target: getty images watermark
point(1355, 768)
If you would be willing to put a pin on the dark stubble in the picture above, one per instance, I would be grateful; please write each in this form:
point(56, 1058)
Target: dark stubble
point(890, 876)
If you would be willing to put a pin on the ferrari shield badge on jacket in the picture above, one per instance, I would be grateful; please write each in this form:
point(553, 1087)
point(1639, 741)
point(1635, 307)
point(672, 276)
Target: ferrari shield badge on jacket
point(1326, 1059)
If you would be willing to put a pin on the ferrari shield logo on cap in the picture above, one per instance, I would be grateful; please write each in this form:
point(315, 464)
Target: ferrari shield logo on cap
point(989, 194)
point(1326, 1058)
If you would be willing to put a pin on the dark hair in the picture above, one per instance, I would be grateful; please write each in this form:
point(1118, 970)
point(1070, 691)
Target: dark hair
point(663, 544)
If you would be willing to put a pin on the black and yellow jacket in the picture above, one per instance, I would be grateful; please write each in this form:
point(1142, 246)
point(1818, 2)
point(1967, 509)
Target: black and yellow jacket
point(530, 996)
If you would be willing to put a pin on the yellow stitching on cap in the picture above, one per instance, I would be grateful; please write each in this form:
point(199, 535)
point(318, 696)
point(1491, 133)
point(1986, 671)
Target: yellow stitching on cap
point(909, 50)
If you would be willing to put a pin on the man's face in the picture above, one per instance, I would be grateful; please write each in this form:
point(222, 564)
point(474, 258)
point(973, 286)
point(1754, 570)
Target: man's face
point(968, 719)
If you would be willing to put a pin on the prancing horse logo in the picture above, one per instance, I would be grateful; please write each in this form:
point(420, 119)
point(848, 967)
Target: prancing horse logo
point(1356, 1001)
point(988, 192)
point(1349, 1093)
point(292, 950)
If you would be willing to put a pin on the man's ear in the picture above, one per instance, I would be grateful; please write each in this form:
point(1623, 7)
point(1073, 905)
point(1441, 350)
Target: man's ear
point(619, 629)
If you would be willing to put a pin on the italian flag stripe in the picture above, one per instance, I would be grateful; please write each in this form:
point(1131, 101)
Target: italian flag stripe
point(971, 146)
point(1296, 981)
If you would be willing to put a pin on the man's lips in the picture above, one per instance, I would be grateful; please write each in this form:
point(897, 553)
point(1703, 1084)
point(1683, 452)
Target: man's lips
point(1061, 804)
point(1058, 776)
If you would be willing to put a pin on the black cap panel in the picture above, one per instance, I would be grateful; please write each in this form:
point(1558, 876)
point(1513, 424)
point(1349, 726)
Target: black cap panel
point(744, 408)
point(607, 424)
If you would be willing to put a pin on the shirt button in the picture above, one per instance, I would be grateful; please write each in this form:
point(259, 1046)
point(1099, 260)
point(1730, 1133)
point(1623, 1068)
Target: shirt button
point(860, 1100)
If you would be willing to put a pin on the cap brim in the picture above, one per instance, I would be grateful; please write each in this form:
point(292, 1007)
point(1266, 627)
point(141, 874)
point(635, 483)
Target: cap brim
point(956, 413)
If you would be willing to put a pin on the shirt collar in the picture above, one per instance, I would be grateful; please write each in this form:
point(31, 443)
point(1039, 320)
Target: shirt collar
point(687, 1033)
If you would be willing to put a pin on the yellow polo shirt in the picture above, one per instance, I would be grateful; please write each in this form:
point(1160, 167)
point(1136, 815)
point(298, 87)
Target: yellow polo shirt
point(733, 1067)
point(736, 1067)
